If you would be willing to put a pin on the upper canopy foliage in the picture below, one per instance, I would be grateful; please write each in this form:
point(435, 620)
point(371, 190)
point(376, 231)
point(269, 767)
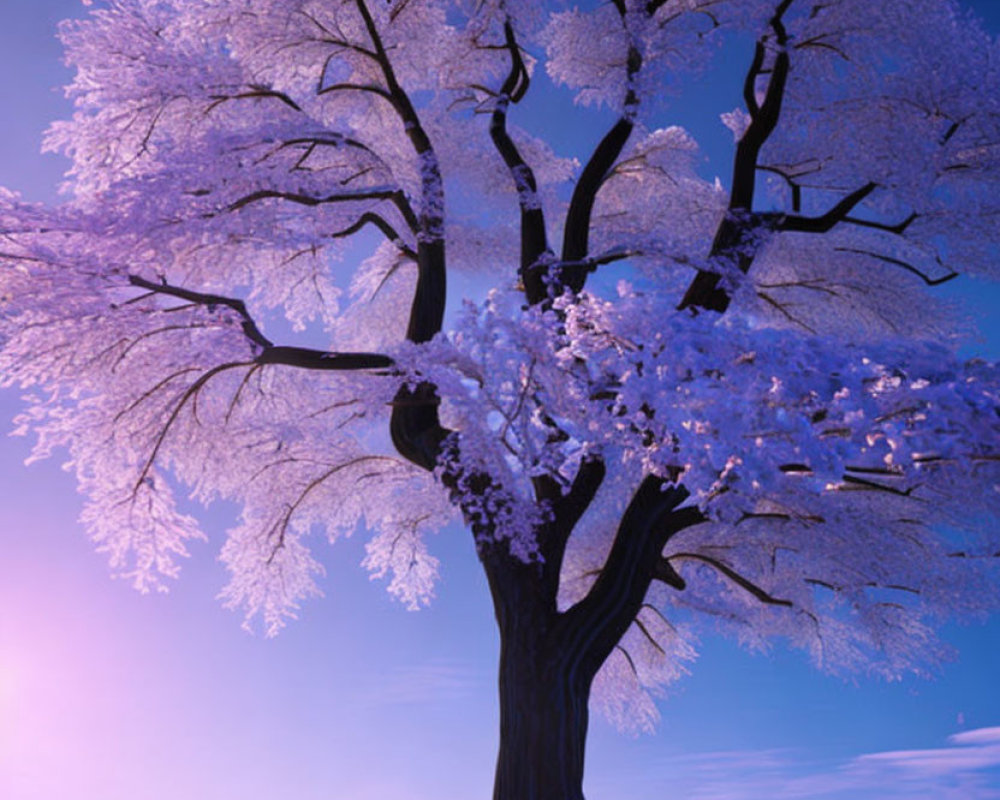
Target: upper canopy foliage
point(777, 347)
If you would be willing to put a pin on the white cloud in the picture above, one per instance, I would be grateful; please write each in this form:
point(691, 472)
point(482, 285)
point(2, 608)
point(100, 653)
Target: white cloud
point(978, 736)
point(968, 768)
point(973, 751)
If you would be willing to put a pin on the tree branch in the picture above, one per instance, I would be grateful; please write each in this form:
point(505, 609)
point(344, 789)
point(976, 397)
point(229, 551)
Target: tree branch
point(186, 395)
point(576, 231)
point(567, 509)
point(534, 243)
point(250, 329)
point(269, 353)
point(902, 264)
point(595, 624)
point(664, 572)
point(734, 576)
point(736, 228)
point(309, 200)
point(371, 218)
point(307, 358)
point(369, 88)
point(899, 228)
point(415, 425)
point(256, 91)
point(825, 222)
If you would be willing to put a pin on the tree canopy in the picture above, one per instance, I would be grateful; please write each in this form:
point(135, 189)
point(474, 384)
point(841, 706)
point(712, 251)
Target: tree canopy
point(668, 399)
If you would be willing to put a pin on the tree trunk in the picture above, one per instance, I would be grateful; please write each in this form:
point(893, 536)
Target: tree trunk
point(543, 724)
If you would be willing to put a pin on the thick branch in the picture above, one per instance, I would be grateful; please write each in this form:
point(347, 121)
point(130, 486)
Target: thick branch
point(664, 572)
point(534, 243)
point(309, 200)
point(825, 222)
point(595, 624)
point(576, 233)
point(736, 228)
point(763, 118)
point(415, 425)
point(250, 329)
point(269, 353)
point(306, 358)
point(734, 576)
point(567, 509)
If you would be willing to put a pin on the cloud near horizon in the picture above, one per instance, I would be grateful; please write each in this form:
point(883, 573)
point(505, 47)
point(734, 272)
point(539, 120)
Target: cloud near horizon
point(973, 750)
point(968, 768)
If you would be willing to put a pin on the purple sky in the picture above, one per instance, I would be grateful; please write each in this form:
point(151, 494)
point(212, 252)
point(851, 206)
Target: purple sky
point(108, 695)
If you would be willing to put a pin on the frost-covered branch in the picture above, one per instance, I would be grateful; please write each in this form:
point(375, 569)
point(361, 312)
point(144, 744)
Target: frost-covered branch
point(744, 583)
point(390, 233)
point(256, 92)
point(734, 235)
point(597, 622)
point(823, 223)
point(898, 262)
point(267, 351)
point(576, 231)
point(534, 241)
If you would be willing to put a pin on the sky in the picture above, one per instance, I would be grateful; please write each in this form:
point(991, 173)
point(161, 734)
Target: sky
point(109, 695)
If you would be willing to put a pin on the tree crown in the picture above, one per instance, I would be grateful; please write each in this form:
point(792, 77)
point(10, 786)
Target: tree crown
point(774, 344)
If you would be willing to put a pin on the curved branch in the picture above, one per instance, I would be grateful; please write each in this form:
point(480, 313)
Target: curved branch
point(250, 329)
point(371, 218)
point(736, 228)
point(899, 228)
point(270, 353)
point(282, 526)
point(534, 243)
point(415, 425)
point(369, 88)
point(187, 394)
point(664, 572)
point(750, 81)
point(567, 509)
point(257, 91)
point(576, 232)
point(826, 222)
point(308, 200)
point(902, 264)
point(764, 117)
point(734, 576)
point(593, 626)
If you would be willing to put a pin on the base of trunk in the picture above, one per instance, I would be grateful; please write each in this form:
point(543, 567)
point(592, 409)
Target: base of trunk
point(543, 731)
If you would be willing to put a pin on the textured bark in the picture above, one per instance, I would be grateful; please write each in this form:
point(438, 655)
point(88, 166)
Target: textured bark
point(548, 658)
point(543, 722)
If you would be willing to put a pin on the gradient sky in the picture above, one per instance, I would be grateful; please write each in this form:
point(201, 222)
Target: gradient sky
point(109, 695)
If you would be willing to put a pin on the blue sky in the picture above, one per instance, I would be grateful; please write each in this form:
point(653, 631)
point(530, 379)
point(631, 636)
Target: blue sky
point(108, 695)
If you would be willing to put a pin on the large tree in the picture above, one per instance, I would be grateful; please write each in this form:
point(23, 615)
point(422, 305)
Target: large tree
point(679, 401)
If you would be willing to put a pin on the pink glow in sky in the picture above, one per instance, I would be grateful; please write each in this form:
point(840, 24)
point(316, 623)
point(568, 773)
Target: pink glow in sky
point(108, 695)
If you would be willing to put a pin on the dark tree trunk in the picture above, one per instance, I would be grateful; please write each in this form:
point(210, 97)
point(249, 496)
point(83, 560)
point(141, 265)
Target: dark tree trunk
point(543, 723)
point(548, 658)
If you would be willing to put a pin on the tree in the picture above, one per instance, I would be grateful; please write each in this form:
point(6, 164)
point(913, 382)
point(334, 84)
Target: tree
point(679, 402)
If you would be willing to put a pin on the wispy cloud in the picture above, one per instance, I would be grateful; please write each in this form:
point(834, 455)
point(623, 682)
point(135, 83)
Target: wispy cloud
point(971, 752)
point(968, 768)
point(427, 682)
